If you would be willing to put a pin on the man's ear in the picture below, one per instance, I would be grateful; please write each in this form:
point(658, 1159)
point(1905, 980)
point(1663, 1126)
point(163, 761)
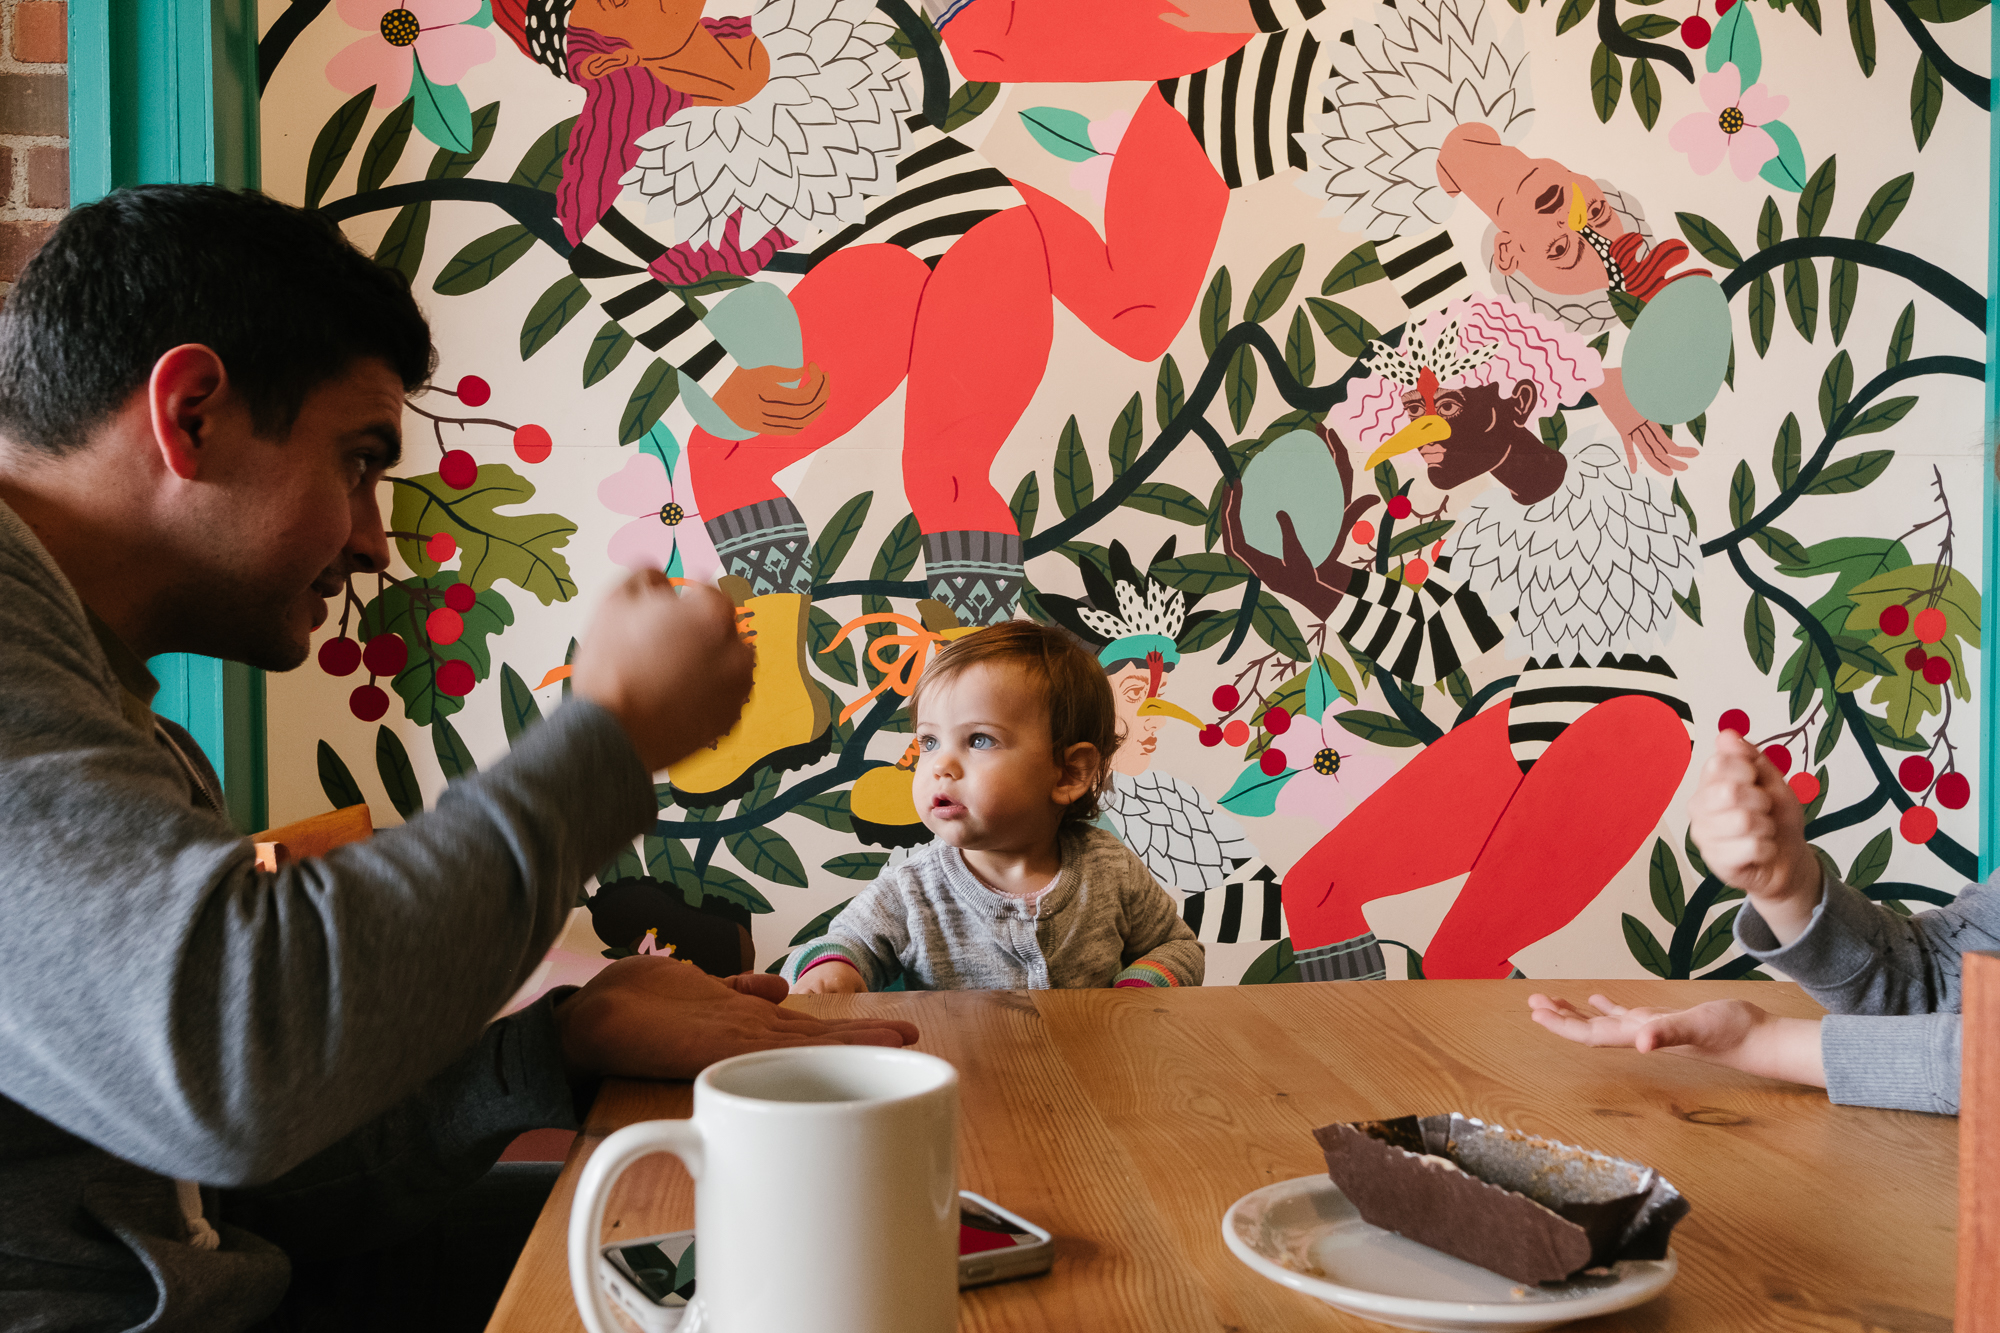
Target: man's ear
point(1081, 765)
point(1523, 401)
point(1506, 255)
point(600, 63)
point(182, 394)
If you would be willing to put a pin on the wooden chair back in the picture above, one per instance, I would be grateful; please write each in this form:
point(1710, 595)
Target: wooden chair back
point(312, 837)
point(1979, 1149)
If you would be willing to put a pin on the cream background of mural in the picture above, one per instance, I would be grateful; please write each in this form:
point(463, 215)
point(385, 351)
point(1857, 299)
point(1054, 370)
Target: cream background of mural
point(1832, 108)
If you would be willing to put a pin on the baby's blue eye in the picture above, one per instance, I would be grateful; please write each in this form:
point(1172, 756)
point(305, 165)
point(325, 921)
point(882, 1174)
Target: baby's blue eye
point(927, 744)
point(981, 741)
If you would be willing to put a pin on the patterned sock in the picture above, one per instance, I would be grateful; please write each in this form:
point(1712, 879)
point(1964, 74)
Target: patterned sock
point(766, 545)
point(977, 575)
point(1358, 959)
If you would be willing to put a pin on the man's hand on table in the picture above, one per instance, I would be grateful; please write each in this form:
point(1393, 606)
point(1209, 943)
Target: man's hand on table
point(654, 1017)
point(1733, 1033)
point(1750, 828)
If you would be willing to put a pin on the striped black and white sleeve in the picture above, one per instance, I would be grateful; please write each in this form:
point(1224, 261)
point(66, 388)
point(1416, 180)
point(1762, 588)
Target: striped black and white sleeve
point(613, 264)
point(1248, 111)
point(1419, 634)
point(1275, 15)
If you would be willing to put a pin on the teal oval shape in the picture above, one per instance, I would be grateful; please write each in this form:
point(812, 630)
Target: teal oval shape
point(1295, 473)
point(1678, 351)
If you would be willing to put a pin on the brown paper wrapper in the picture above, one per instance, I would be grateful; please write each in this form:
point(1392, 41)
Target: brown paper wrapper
point(1529, 1208)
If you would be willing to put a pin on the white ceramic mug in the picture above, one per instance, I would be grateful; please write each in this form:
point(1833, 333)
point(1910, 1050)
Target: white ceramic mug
point(826, 1194)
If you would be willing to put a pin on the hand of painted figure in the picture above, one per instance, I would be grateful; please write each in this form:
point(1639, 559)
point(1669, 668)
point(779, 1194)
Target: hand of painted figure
point(831, 978)
point(669, 667)
point(773, 400)
point(1318, 589)
point(1734, 1033)
point(1661, 453)
point(1210, 16)
point(655, 1017)
point(1751, 832)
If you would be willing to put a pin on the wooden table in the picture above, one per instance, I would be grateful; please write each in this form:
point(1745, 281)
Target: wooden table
point(1126, 1122)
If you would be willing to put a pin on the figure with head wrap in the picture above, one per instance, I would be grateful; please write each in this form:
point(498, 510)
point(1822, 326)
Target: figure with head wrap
point(1569, 558)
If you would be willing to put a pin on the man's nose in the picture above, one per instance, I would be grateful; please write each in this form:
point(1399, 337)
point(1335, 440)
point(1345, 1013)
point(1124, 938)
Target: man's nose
point(367, 549)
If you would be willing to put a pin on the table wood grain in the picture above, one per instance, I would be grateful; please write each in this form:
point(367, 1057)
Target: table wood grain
point(1127, 1121)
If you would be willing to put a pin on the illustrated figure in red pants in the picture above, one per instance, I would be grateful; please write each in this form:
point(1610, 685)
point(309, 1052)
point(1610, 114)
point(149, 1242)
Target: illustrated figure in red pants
point(1569, 557)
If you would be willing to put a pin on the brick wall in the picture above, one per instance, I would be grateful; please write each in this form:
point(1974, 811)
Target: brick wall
point(34, 127)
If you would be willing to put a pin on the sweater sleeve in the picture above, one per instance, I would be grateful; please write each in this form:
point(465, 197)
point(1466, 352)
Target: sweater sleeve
point(872, 932)
point(1160, 949)
point(1892, 984)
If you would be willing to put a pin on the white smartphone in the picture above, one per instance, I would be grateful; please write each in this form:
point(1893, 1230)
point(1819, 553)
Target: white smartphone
point(650, 1280)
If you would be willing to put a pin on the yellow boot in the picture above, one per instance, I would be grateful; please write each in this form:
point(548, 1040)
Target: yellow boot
point(785, 724)
point(882, 808)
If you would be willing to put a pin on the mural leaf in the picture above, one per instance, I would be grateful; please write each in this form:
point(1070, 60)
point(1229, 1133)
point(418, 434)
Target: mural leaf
point(1646, 90)
point(1698, 427)
point(1274, 966)
point(823, 630)
point(1026, 505)
point(667, 860)
point(385, 147)
point(1735, 42)
point(334, 779)
point(1816, 200)
point(1760, 632)
point(402, 609)
point(1884, 207)
point(1861, 29)
point(1926, 100)
point(1873, 861)
point(1378, 728)
point(1787, 170)
point(1128, 434)
point(899, 551)
point(1802, 296)
point(1357, 268)
point(1780, 545)
point(561, 303)
point(1840, 296)
point(857, 865)
point(1275, 626)
point(1062, 132)
point(1686, 508)
point(1572, 13)
point(1851, 474)
point(607, 349)
point(719, 883)
point(399, 776)
point(766, 853)
point(482, 260)
point(1946, 11)
point(816, 927)
point(1422, 535)
point(1301, 356)
point(968, 102)
point(1216, 303)
point(1829, 736)
point(1169, 396)
point(1763, 311)
point(1785, 452)
point(839, 534)
point(1836, 386)
point(1075, 485)
point(1607, 81)
point(520, 548)
point(1645, 948)
point(518, 709)
point(1903, 339)
point(402, 246)
point(1770, 225)
point(1168, 501)
point(541, 166)
point(1690, 605)
point(1343, 328)
point(828, 808)
point(1709, 239)
point(1555, 431)
point(1809, 11)
point(1716, 938)
point(453, 755)
point(1742, 495)
point(1255, 792)
point(443, 115)
point(1274, 285)
point(335, 142)
point(1239, 385)
point(1664, 873)
point(450, 163)
point(658, 386)
point(1880, 416)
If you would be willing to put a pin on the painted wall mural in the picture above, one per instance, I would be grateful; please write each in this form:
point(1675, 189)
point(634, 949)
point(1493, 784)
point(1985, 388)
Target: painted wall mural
point(1381, 391)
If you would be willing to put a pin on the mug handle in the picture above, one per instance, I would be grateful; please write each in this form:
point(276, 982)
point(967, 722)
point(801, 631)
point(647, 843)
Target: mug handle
point(682, 1138)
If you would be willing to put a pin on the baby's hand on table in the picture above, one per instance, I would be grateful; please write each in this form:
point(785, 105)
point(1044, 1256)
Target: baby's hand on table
point(830, 978)
point(1733, 1033)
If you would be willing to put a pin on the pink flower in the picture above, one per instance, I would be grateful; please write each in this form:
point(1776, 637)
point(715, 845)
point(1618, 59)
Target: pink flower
point(1337, 769)
point(1729, 126)
point(1093, 174)
point(667, 524)
point(432, 32)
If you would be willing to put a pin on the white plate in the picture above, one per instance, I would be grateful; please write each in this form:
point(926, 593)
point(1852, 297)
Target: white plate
point(1304, 1234)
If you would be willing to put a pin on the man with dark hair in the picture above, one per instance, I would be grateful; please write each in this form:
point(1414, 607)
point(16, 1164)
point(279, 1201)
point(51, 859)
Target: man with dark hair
point(215, 1082)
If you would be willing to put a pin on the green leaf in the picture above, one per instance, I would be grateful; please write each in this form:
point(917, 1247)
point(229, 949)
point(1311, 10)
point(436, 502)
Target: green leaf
point(1698, 427)
point(1836, 386)
point(1059, 131)
point(1694, 853)
point(1770, 225)
point(1816, 200)
point(1343, 328)
point(453, 755)
point(1809, 11)
point(1572, 13)
point(1716, 938)
point(899, 551)
point(1686, 508)
point(1802, 296)
point(1255, 792)
point(1026, 505)
point(402, 245)
point(1216, 303)
point(1742, 495)
point(334, 779)
point(766, 853)
point(828, 808)
point(968, 102)
point(1301, 355)
point(1840, 296)
point(857, 865)
point(558, 305)
point(1200, 574)
point(541, 166)
point(667, 860)
point(1378, 728)
point(719, 883)
point(1627, 307)
point(1128, 435)
point(1946, 11)
point(816, 927)
point(1274, 287)
point(1884, 207)
point(1648, 27)
point(1709, 239)
point(1762, 309)
point(607, 349)
point(1274, 966)
point(1407, 540)
point(402, 609)
point(482, 260)
point(1873, 862)
point(1641, 942)
point(1075, 485)
point(1879, 416)
point(399, 776)
point(1168, 501)
point(1690, 605)
point(1903, 339)
point(335, 142)
point(443, 115)
point(1787, 170)
point(1760, 632)
point(385, 147)
point(1861, 30)
point(1851, 474)
point(624, 865)
point(1239, 385)
point(1735, 42)
point(1275, 626)
point(1554, 430)
point(823, 631)
point(520, 548)
point(1780, 545)
point(1607, 81)
point(1926, 100)
point(839, 534)
point(1357, 268)
point(451, 162)
point(518, 709)
point(1646, 90)
point(658, 386)
point(1664, 874)
point(1785, 452)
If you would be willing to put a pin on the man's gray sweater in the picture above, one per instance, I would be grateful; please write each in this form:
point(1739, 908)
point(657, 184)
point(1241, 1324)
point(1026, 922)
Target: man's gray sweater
point(316, 1042)
point(1892, 984)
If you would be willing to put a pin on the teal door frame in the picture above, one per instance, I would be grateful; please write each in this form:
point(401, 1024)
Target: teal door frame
point(1989, 678)
point(166, 90)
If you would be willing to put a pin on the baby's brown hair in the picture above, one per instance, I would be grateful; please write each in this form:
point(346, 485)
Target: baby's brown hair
point(1071, 683)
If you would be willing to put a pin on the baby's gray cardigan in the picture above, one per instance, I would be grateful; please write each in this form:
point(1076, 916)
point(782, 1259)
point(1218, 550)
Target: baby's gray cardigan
point(1892, 984)
point(1104, 918)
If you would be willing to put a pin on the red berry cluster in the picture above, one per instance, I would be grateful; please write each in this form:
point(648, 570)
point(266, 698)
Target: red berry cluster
point(1695, 31)
point(1927, 627)
point(387, 654)
point(1236, 731)
point(457, 468)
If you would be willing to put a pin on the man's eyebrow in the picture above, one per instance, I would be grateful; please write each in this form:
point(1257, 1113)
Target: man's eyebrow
point(390, 438)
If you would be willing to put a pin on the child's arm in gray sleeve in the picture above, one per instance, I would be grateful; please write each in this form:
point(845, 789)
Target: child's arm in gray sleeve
point(872, 933)
point(1159, 947)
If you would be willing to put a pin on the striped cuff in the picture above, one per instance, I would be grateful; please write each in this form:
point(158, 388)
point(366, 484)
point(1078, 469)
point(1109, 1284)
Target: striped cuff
point(825, 951)
point(1145, 972)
